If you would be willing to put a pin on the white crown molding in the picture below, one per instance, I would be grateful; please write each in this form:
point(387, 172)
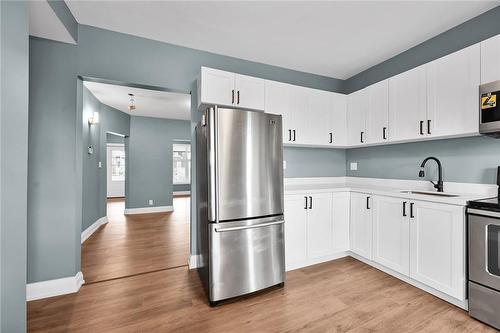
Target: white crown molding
point(181, 193)
point(147, 210)
point(91, 229)
point(51, 288)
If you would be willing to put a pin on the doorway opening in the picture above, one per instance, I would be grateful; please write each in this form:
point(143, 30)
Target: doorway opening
point(139, 177)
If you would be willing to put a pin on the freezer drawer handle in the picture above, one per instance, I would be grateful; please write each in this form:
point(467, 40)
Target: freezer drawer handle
point(249, 226)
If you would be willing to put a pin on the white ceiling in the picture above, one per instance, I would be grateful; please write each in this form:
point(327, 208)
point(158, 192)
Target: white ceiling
point(332, 38)
point(44, 23)
point(150, 103)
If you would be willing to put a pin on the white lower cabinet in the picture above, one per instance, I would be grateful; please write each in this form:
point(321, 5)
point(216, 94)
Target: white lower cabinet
point(316, 227)
point(437, 247)
point(361, 225)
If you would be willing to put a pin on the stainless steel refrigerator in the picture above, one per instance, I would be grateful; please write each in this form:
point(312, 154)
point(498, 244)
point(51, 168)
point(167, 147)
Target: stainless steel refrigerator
point(239, 177)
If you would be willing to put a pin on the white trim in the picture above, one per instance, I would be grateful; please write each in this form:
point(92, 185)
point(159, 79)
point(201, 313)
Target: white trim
point(194, 261)
point(309, 262)
point(464, 304)
point(51, 288)
point(112, 144)
point(147, 210)
point(92, 228)
point(181, 193)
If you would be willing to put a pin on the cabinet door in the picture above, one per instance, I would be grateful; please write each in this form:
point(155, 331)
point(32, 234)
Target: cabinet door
point(361, 225)
point(249, 92)
point(216, 87)
point(299, 115)
point(378, 112)
point(319, 226)
point(437, 253)
point(295, 229)
point(318, 108)
point(452, 93)
point(391, 235)
point(341, 215)
point(357, 108)
point(407, 104)
point(490, 59)
point(279, 101)
point(337, 120)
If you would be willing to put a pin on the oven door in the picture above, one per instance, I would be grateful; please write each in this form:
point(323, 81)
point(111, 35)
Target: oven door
point(484, 247)
point(489, 107)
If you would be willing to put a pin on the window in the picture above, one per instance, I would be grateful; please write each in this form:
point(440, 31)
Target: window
point(117, 165)
point(182, 163)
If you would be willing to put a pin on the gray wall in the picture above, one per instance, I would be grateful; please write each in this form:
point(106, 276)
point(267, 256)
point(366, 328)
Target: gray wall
point(13, 164)
point(467, 160)
point(94, 178)
point(111, 138)
point(149, 166)
point(307, 162)
point(182, 187)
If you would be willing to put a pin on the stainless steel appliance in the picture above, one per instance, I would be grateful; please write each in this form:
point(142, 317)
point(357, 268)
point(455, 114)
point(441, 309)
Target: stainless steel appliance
point(240, 202)
point(484, 259)
point(489, 114)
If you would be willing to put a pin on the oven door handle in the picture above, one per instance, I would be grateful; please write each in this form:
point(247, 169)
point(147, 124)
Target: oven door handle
point(483, 213)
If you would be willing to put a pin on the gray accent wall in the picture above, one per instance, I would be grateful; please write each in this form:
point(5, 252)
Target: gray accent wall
point(149, 160)
point(318, 162)
point(13, 163)
point(466, 160)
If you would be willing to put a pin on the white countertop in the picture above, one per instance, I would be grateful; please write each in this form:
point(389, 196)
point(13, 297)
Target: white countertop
point(388, 187)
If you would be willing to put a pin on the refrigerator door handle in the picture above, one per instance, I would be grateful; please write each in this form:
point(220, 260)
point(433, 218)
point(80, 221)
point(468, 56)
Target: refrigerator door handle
point(249, 226)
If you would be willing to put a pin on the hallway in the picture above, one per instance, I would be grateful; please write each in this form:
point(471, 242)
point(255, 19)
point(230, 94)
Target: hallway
point(136, 244)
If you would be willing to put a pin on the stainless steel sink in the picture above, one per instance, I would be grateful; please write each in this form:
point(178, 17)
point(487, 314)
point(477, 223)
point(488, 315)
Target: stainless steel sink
point(441, 194)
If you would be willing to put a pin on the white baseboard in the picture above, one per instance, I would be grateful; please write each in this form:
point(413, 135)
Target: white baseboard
point(146, 210)
point(90, 230)
point(194, 261)
point(51, 288)
point(181, 193)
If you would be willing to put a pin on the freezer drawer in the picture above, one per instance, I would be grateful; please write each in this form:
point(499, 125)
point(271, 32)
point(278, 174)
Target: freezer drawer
point(245, 256)
point(484, 304)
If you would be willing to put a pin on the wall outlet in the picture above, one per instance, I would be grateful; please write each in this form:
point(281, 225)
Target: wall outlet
point(151, 202)
point(99, 165)
point(284, 165)
point(354, 165)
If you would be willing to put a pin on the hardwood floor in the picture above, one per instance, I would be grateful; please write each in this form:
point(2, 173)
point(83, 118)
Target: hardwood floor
point(344, 295)
point(135, 244)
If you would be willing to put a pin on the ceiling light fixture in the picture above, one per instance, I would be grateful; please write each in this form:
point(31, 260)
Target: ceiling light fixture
point(131, 106)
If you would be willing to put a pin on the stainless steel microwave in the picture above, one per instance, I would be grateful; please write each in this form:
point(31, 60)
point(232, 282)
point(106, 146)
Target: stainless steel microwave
point(489, 109)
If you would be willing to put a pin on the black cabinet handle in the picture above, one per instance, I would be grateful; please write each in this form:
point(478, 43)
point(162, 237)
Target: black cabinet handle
point(331, 137)
point(310, 202)
point(404, 208)
point(289, 135)
point(362, 137)
point(294, 136)
point(232, 96)
point(428, 126)
point(305, 207)
point(384, 133)
point(367, 202)
point(238, 98)
point(421, 127)
point(411, 210)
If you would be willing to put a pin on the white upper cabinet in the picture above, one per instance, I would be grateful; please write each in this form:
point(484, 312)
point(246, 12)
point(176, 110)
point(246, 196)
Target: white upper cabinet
point(357, 111)
point(437, 247)
point(391, 239)
point(216, 87)
point(452, 93)
point(249, 92)
point(361, 225)
point(313, 122)
point(407, 105)
point(337, 120)
point(378, 112)
point(278, 97)
point(490, 60)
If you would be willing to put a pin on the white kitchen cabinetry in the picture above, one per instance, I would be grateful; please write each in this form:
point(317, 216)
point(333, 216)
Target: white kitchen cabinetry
point(337, 120)
point(391, 233)
point(361, 225)
point(315, 126)
point(216, 87)
point(316, 227)
point(407, 105)
point(490, 60)
point(378, 112)
point(357, 111)
point(452, 93)
point(278, 98)
point(437, 247)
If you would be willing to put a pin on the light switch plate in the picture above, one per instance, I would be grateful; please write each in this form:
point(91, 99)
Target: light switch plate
point(151, 202)
point(99, 165)
point(284, 165)
point(354, 165)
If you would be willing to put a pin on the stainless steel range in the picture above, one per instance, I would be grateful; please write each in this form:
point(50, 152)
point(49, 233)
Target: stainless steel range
point(240, 202)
